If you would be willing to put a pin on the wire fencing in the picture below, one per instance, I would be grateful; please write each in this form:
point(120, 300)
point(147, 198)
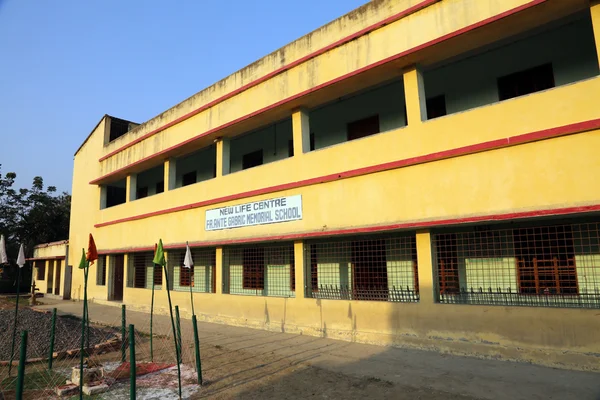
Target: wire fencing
point(52, 357)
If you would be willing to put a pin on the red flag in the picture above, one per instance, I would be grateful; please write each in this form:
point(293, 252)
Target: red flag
point(92, 253)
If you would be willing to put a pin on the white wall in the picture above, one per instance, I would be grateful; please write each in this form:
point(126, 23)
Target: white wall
point(272, 139)
point(472, 82)
point(329, 123)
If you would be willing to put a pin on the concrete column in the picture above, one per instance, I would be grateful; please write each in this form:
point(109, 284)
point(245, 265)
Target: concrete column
point(427, 287)
point(223, 159)
point(595, 13)
point(219, 270)
point(414, 95)
point(299, 269)
point(170, 174)
point(131, 191)
point(301, 131)
point(102, 190)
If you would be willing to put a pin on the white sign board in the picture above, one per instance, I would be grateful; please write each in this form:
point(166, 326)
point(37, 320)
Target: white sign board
point(271, 211)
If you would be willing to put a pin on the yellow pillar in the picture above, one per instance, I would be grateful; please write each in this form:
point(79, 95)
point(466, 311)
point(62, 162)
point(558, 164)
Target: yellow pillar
point(170, 173)
point(425, 268)
point(301, 131)
point(219, 271)
point(595, 14)
point(414, 95)
point(131, 188)
point(223, 162)
point(299, 269)
point(108, 284)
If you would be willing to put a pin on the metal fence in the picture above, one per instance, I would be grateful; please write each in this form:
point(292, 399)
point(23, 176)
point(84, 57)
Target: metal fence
point(201, 277)
point(532, 265)
point(260, 270)
point(382, 268)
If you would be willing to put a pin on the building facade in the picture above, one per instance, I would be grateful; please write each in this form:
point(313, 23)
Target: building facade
point(415, 173)
point(51, 272)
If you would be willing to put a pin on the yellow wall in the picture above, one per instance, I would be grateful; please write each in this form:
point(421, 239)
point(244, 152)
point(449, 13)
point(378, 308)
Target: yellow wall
point(47, 253)
point(547, 174)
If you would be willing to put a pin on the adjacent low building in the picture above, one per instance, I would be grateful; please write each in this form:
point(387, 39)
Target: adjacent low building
point(415, 173)
point(51, 274)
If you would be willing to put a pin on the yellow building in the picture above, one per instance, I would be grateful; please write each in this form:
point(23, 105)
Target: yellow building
point(51, 274)
point(415, 173)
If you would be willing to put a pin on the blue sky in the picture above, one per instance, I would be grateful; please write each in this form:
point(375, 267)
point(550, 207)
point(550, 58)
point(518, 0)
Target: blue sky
point(66, 63)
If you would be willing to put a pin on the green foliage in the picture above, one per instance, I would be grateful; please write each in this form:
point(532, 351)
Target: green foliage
point(31, 216)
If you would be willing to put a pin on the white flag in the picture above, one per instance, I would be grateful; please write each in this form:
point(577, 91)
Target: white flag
point(21, 258)
point(187, 261)
point(3, 257)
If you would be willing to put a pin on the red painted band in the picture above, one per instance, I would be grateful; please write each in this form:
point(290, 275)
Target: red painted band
point(456, 152)
point(374, 229)
point(45, 258)
point(389, 20)
point(311, 90)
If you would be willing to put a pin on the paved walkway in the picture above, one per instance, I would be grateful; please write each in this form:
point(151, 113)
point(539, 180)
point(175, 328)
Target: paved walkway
point(460, 376)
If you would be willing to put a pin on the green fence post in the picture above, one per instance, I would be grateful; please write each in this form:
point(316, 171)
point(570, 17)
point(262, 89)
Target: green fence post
point(123, 334)
point(131, 362)
point(52, 330)
point(178, 333)
point(21, 371)
point(197, 346)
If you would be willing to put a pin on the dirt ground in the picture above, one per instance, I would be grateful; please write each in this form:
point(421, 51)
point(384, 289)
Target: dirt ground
point(254, 364)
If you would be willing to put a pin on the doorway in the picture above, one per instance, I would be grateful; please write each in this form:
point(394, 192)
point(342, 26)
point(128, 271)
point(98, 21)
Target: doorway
point(50, 277)
point(369, 270)
point(57, 278)
point(118, 274)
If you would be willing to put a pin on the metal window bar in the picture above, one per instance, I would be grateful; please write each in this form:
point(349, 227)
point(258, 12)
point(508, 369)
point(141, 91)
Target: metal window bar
point(535, 265)
point(101, 270)
point(260, 270)
point(142, 271)
point(378, 268)
point(202, 276)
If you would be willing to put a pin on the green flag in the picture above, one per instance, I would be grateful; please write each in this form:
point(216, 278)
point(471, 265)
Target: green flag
point(159, 256)
point(83, 262)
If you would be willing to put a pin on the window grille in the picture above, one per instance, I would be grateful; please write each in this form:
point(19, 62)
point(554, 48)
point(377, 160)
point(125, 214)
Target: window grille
point(101, 270)
point(40, 267)
point(142, 271)
point(202, 276)
point(380, 268)
point(535, 265)
point(266, 270)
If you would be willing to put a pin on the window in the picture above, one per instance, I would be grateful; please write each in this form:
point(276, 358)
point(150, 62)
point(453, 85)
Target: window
point(115, 195)
point(436, 106)
point(41, 270)
point(157, 275)
point(380, 268)
point(101, 270)
point(526, 82)
point(189, 178)
point(364, 127)
point(118, 128)
point(253, 159)
point(201, 276)
point(528, 265)
point(143, 271)
point(160, 187)
point(254, 268)
point(142, 192)
point(312, 141)
point(291, 148)
point(186, 276)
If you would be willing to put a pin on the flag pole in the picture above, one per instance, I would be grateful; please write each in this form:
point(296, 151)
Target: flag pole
point(14, 335)
point(159, 258)
point(83, 324)
point(20, 263)
point(152, 309)
point(189, 263)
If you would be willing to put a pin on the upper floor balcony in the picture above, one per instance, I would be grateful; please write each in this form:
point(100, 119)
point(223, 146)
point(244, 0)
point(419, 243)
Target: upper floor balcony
point(487, 97)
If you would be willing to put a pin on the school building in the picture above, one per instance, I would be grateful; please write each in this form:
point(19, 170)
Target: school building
point(414, 173)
